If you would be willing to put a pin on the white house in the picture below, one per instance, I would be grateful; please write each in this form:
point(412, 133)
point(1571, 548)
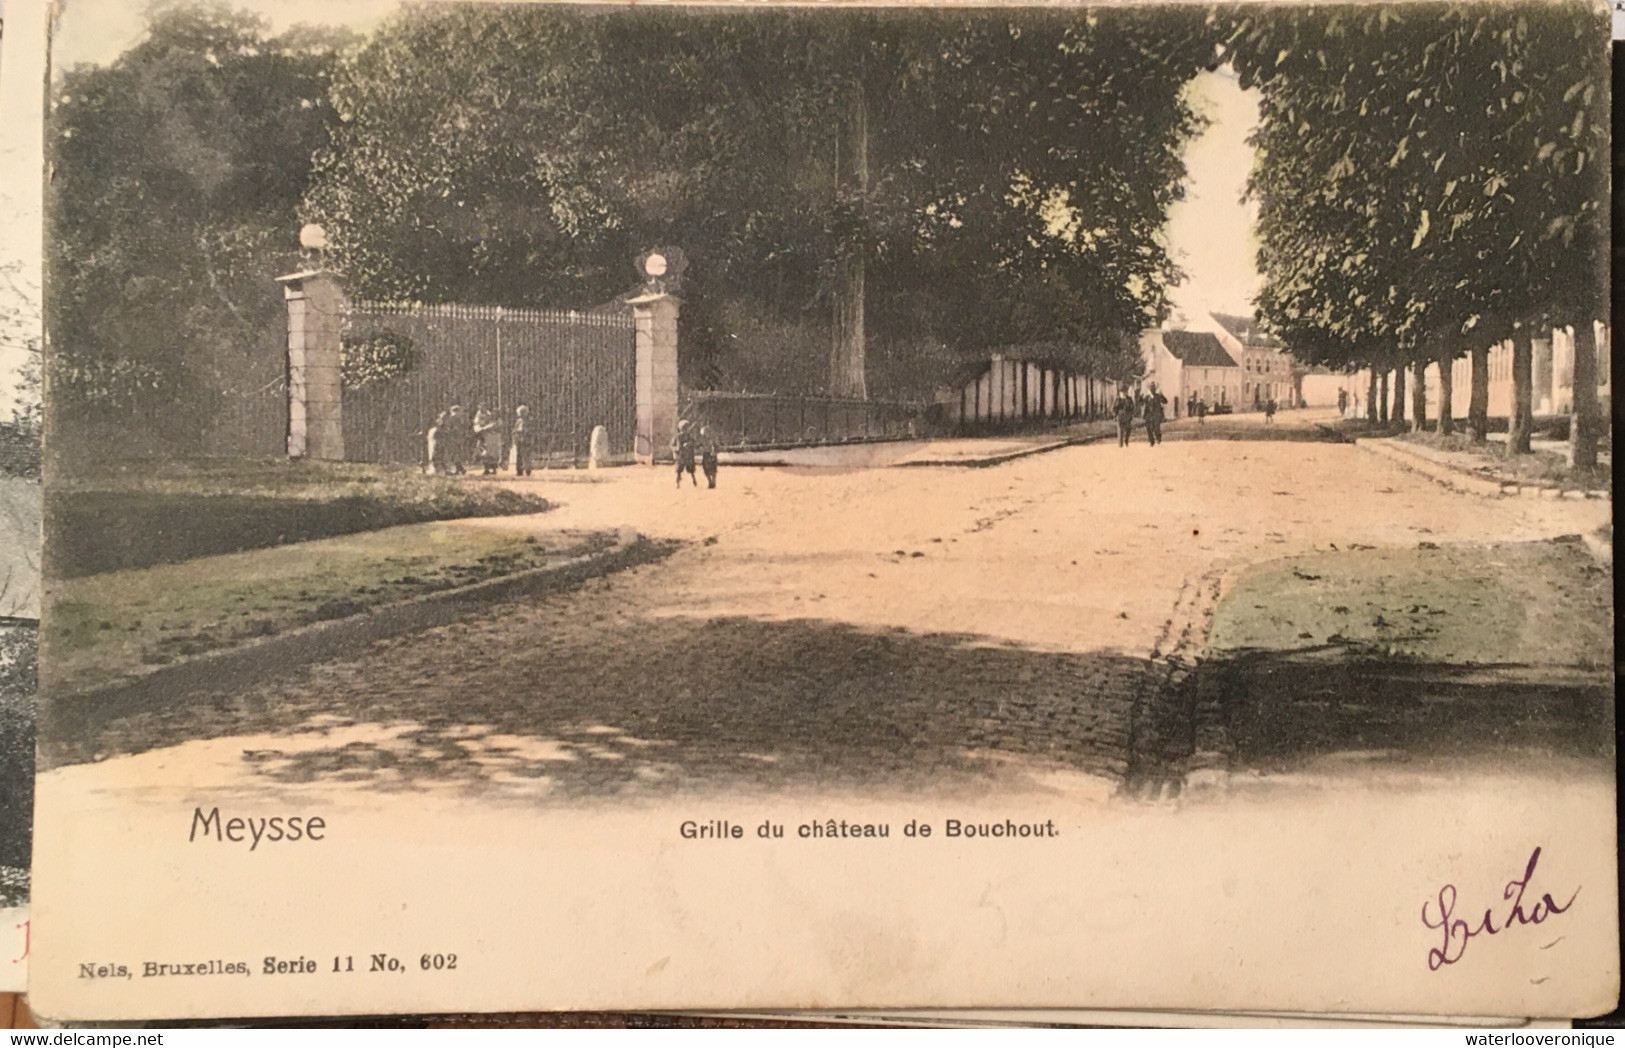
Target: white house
point(1191, 365)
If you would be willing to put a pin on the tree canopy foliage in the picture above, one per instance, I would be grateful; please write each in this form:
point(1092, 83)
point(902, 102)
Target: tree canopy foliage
point(176, 176)
point(1018, 171)
point(1430, 176)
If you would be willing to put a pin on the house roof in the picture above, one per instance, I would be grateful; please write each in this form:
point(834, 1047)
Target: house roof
point(1197, 349)
point(1246, 329)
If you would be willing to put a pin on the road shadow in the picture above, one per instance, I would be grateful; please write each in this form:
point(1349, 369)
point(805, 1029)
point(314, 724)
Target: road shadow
point(1273, 712)
point(1250, 430)
point(650, 704)
point(592, 700)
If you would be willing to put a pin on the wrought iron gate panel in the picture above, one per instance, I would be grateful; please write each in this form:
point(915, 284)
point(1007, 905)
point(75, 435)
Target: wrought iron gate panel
point(573, 371)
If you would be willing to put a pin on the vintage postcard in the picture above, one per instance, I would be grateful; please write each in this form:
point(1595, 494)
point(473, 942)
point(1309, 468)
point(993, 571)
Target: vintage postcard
point(775, 507)
point(22, 36)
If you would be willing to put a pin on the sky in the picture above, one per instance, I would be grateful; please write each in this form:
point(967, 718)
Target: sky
point(98, 31)
point(1209, 233)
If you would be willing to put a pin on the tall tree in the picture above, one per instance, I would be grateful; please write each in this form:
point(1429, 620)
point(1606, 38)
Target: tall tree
point(176, 174)
point(1478, 403)
point(1450, 149)
point(834, 163)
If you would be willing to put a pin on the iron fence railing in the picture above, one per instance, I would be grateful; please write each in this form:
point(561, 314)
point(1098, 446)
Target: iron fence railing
point(768, 420)
point(572, 371)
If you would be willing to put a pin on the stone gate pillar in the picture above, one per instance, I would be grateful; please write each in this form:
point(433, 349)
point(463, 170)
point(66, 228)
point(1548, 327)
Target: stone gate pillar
point(315, 392)
point(655, 318)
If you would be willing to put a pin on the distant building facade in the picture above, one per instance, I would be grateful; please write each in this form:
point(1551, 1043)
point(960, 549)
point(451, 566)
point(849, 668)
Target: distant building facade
point(1551, 374)
point(1270, 371)
point(1187, 364)
point(1011, 390)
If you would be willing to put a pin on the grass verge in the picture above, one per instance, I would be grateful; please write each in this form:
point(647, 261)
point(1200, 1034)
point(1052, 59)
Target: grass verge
point(114, 516)
point(108, 627)
point(1540, 467)
point(1532, 602)
point(1360, 661)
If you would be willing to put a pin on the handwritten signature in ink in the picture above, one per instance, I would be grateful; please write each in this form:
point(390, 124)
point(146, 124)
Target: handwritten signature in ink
point(1458, 932)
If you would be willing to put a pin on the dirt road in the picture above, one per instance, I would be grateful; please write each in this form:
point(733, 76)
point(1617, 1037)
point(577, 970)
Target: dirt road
point(874, 628)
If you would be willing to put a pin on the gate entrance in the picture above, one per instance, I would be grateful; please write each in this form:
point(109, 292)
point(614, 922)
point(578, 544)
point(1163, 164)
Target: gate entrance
point(404, 364)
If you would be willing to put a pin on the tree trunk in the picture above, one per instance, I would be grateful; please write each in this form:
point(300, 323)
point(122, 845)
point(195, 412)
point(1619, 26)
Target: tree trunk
point(1447, 392)
point(1478, 404)
point(1398, 414)
point(1371, 397)
point(1523, 412)
point(1382, 401)
point(846, 370)
point(1419, 395)
point(1584, 424)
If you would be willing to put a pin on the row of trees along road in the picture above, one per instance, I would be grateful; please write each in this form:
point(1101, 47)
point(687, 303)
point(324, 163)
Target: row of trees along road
point(1431, 181)
point(917, 187)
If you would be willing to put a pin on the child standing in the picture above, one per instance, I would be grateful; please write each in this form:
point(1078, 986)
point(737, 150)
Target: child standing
point(708, 455)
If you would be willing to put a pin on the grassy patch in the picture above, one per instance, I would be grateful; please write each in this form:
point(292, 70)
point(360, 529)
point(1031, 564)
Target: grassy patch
point(1531, 603)
point(1541, 467)
point(1347, 662)
point(115, 516)
point(106, 627)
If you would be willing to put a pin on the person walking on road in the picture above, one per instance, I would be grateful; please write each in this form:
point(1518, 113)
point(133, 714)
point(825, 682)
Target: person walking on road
point(1269, 411)
point(1342, 402)
point(1155, 409)
point(682, 449)
point(708, 454)
point(1124, 410)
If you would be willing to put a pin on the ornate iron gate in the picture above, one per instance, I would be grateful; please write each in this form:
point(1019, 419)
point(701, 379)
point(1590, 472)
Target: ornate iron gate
point(573, 371)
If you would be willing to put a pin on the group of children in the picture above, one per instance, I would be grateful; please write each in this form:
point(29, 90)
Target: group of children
point(687, 445)
point(456, 439)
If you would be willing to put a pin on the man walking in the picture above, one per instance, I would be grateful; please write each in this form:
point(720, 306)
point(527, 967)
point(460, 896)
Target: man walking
point(1123, 408)
point(708, 454)
point(1155, 409)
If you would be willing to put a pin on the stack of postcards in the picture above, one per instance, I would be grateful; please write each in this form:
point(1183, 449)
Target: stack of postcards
point(925, 514)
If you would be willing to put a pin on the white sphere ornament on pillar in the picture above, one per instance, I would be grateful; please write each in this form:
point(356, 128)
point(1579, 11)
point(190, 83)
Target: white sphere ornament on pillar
point(661, 269)
point(312, 237)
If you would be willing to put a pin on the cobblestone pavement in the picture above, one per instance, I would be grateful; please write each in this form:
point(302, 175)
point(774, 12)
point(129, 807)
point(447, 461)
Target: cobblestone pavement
point(871, 628)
